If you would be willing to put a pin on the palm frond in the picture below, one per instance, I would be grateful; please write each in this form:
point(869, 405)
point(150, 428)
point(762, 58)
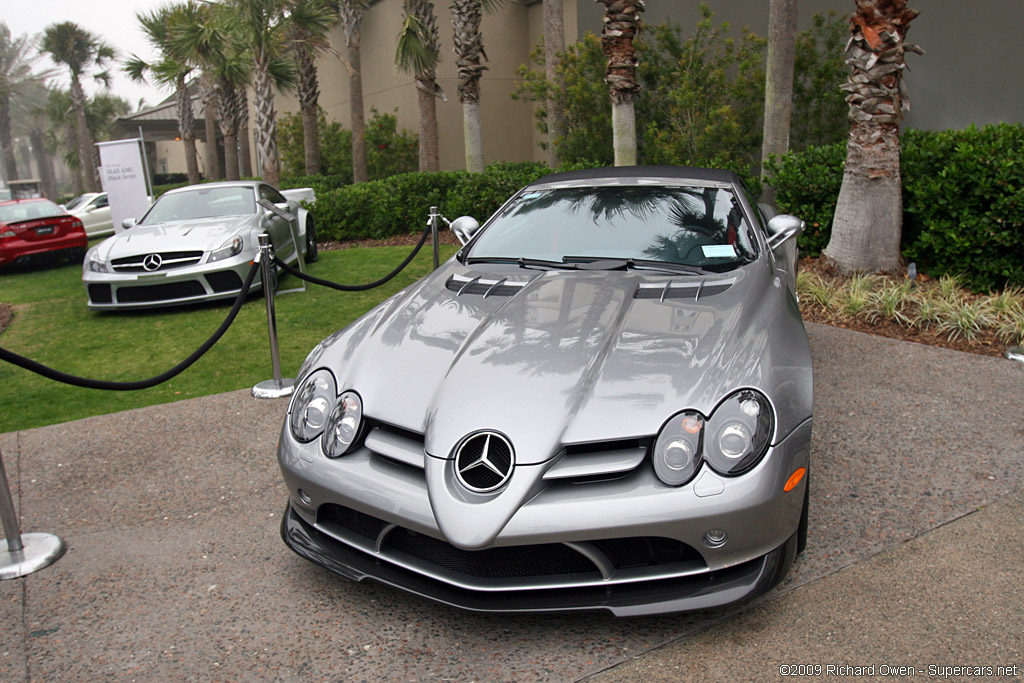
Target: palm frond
point(414, 55)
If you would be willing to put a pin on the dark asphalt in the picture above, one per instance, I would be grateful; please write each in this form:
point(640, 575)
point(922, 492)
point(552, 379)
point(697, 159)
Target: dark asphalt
point(175, 569)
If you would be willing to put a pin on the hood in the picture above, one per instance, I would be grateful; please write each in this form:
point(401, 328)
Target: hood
point(194, 235)
point(550, 358)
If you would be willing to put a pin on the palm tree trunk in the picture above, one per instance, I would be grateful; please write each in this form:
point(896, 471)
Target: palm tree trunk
point(43, 161)
point(10, 163)
point(266, 124)
point(227, 119)
point(85, 146)
point(186, 128)
point(778, 90)
point(624, 130)
point(869, 211)
point(554, 47)
point(360, 170)
point(244, 138)
point(208, 95)
point(469, 51)
point(472, 136)
point(426, 98)
point(309, 94)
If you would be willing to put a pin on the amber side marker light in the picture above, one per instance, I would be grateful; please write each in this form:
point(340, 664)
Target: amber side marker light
point(794, 479)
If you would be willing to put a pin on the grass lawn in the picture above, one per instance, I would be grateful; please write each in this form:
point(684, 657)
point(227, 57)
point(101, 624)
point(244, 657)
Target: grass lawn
point(52, 325)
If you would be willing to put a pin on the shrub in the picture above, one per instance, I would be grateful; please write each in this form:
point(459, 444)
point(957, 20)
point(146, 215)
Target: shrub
point(963, 200)
point(400, 204)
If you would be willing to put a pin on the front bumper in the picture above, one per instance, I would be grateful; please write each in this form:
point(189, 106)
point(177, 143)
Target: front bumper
point(196, 284)
point(367, 517)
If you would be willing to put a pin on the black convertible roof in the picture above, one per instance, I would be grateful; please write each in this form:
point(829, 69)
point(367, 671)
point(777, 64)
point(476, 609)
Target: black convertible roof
point(680, 172)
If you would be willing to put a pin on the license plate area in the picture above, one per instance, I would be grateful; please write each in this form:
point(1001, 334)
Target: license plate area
point(45, 230)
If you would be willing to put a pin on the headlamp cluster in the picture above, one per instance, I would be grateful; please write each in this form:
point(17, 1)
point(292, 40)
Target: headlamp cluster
point(732, 441)
point(317, 410)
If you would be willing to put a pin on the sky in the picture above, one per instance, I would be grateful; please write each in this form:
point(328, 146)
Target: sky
point(111, 20)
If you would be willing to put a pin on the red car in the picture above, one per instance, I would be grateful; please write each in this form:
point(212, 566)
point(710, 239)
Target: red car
point(38, 228)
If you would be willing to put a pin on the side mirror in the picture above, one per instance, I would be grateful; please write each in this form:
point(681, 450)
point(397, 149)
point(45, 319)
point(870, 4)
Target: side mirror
point(465, 227)
point(782, 228)
point(127, 223)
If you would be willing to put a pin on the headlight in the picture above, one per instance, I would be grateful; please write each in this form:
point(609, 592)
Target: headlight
point(312, 403)
point(96, 264)
point(230, 248)
point(343, 425)
point(739, 432)
point(677, 450)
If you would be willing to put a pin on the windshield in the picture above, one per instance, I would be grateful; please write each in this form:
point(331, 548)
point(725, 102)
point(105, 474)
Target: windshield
point(695, 226)
point(77, 202)
point(24, 211)
point(201, 202)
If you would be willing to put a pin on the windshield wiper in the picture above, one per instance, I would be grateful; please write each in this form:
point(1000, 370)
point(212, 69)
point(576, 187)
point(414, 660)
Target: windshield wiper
point(523, 262)
point(609, 263)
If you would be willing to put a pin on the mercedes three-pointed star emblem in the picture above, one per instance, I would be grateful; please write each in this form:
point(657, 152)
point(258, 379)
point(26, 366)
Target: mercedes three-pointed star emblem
point(484, 461)
point(152, 262)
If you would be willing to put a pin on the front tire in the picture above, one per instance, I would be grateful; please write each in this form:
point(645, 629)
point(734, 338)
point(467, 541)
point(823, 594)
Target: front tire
point(312, 250)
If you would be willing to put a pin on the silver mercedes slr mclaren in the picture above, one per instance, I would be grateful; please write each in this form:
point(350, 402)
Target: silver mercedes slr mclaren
point(602, 402)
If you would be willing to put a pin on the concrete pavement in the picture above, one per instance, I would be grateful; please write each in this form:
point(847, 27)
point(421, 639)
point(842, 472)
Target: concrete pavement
point(175, 569)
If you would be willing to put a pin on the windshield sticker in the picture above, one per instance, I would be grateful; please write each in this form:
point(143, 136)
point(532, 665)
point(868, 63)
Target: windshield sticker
point(532, 195)
point(719, 251)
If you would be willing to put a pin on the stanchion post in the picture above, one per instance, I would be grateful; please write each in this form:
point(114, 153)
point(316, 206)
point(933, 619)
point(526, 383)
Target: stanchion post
point(26, 553)
point(433, 231)
point(277, 387)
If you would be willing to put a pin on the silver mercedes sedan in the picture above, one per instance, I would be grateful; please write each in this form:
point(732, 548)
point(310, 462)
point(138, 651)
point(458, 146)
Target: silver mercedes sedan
point(196, 244)
point(602, 402)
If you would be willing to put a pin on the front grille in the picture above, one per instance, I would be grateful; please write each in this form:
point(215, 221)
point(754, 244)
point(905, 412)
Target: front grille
point(168, 261)
point(557, 561)
point(224, 281)
point(164, 292)
point(100, 294)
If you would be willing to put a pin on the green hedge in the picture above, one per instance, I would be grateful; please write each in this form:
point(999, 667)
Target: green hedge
point(963, 200)
point(400, 204)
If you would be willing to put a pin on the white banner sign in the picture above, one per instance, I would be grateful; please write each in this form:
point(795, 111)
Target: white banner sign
point(124, 179)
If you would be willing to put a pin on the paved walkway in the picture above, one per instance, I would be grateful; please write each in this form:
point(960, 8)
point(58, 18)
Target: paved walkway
point(175, 569)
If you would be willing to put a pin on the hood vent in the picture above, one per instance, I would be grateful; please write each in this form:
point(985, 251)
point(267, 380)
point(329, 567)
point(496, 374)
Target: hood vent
point(693, 291)
point(483, 287)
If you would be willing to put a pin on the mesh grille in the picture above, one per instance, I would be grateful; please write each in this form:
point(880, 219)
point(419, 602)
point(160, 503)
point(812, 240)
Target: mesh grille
point(100, 294)
point(550, 559)
point(648, 551)
point(357, 522)
point(165, 292)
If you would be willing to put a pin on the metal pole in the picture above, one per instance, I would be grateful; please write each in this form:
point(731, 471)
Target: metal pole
point(277, 387)
point(26, 553)
point(433, 231)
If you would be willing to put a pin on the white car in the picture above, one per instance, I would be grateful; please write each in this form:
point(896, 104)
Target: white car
point(93, 209)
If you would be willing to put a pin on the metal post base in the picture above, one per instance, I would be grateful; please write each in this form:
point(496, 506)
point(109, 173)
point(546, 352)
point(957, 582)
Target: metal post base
point(274, 388)
point(40, 551)
point(1015, 353)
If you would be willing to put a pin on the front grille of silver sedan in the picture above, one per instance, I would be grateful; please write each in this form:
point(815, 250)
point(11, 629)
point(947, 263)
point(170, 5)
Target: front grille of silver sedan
point(156, 262)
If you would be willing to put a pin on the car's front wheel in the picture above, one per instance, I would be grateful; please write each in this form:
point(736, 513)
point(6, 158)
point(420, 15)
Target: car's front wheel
point(312, 251)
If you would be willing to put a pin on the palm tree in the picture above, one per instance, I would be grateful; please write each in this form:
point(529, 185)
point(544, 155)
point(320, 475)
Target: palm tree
point(352, 12)
point(419, 53)
point(309, 26)
point(554, 47)
point(261, 27)
point(69, 44)
point(16, 72)
point(244, 148)
point(869, 211)
point(469, 50)
point(172, 70)
point(208, 96)
point(778, 90)
point(621, 23)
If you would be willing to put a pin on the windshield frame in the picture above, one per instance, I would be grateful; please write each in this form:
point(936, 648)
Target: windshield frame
point(752, 240)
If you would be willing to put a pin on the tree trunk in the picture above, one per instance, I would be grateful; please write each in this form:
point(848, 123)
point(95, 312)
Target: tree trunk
point(778, 89)
point(360, 170)
point(85, 157)
point(244, 138)
point(554, 46)
point(309, 95)
point(869, 211)
point(624, 130)
point(266, 124)
point(227, 119)
point(208, 95)
point(186, 128)
point(426, 98)
point(43, 161)
point(472, 136)
point(10, 163)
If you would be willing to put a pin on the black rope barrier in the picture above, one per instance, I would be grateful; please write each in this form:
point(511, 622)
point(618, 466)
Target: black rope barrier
point(355, 288)
point(59, 376)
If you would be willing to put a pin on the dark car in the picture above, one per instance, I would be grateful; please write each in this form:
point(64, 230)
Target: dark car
point(38, 229)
